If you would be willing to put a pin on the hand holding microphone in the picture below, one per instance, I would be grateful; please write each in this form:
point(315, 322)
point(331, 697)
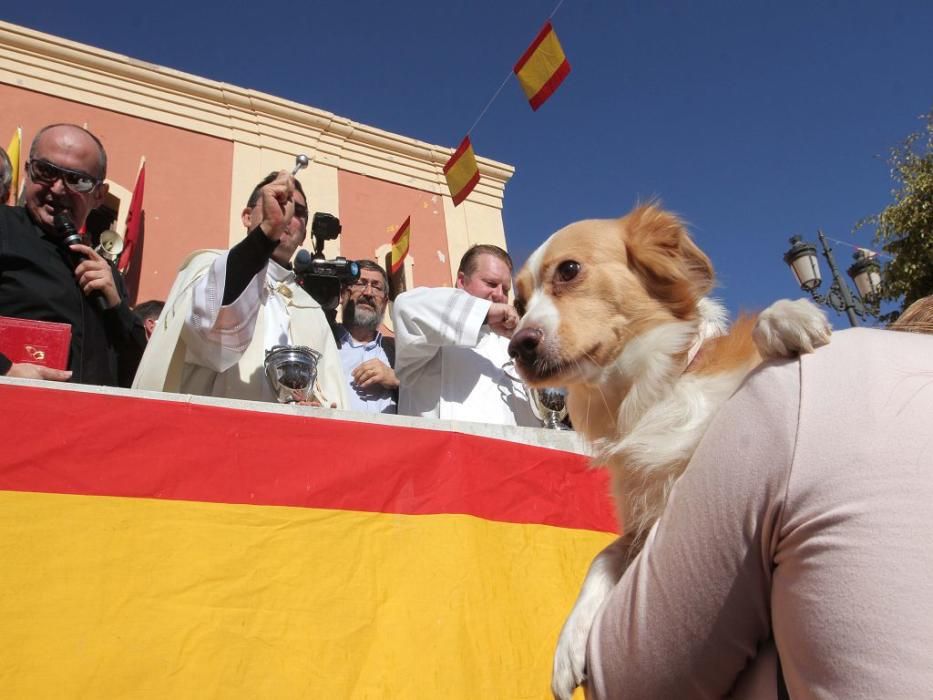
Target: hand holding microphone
point(93, 274)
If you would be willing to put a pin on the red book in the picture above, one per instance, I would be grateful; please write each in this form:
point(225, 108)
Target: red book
point(36, 342)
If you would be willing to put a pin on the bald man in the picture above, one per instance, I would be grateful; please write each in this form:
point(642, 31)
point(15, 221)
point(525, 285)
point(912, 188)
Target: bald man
point(38, 281)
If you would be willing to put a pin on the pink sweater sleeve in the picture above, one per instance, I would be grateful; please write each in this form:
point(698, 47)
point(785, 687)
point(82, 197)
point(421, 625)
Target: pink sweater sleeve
point(806, 510)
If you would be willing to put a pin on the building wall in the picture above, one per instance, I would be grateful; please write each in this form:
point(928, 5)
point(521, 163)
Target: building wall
point(374, 210)
point(207, 143)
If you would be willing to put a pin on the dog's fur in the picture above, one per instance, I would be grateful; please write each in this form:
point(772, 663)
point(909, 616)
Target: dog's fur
point(616, 312)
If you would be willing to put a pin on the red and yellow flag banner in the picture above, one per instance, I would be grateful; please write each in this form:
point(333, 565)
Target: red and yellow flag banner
point(461, 171)
point(14, 151)
point(223, 552)
point(400, 244)
point(543, 67)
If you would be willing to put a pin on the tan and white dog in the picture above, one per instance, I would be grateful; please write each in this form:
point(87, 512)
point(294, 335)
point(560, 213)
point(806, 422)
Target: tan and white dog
point(616, 312)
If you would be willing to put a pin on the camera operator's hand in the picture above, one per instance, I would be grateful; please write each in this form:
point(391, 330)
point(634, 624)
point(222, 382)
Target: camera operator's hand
point(374, 372)
point(502, 318)
point(278, 205)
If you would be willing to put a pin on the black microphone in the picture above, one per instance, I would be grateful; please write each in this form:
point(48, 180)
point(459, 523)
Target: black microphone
point(70, 236)
point(302, 261)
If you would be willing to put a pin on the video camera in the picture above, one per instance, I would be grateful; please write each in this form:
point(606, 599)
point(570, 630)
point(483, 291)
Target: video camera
point(321, 278)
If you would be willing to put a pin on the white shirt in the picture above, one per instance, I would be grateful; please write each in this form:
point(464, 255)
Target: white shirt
point(452, 366)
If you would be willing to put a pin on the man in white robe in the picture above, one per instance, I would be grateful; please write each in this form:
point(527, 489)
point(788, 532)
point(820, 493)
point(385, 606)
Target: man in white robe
point(227, 308)
point(451, 346)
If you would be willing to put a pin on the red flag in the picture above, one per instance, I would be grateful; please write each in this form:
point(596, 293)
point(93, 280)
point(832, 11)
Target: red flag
point(134, 221)
point(543, 67)
point(461, 171)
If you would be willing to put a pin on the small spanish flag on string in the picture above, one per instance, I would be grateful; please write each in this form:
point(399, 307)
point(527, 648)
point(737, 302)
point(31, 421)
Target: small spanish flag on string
point(400, 243)
point(13, 151)
point(543, 67)
point(461, 171)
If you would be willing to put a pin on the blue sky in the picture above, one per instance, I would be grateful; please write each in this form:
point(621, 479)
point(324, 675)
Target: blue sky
point(754, 121)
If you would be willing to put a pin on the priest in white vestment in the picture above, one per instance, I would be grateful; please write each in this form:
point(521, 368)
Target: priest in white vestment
point(451, 346)
point(227, 308)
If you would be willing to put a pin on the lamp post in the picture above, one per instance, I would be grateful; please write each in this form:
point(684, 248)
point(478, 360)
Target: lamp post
point(865, 272)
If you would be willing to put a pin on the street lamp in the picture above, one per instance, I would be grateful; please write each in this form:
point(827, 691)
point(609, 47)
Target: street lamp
point(865, 272)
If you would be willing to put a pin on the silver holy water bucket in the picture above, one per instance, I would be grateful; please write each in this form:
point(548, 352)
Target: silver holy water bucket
point(292, 372)
point(549, 405)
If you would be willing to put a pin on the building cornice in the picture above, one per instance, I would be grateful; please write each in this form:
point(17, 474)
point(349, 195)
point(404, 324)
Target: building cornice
point(69, 70)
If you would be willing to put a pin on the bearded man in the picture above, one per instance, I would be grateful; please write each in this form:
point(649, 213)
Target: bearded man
point(367, 356)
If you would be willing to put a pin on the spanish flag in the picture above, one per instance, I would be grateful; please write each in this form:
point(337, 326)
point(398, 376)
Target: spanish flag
point(461, 171)
point(270, 552)
point(13, 151)
point(400, 243)
point(543, 67)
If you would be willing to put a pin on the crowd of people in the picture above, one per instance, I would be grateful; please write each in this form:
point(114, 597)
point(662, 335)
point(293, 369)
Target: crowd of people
point(227, 308)
point(819, 514)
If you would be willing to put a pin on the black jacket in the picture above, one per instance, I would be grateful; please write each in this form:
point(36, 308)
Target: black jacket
point(37, 282)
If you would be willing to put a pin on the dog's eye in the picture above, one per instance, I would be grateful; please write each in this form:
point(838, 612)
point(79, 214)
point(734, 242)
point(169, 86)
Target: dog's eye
point(520, 306)
point(567, 270)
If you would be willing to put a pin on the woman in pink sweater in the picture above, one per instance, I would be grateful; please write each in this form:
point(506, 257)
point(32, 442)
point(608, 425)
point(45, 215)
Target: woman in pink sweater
point(806, 516)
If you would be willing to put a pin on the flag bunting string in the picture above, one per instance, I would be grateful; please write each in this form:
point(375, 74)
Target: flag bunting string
point(506, 79)
point(875, 253)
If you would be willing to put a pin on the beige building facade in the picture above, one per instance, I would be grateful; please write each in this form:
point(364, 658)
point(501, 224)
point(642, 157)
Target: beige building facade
point(207, 143)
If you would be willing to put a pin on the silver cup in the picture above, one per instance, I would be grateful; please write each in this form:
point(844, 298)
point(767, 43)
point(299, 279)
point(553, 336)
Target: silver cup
point(549, 405)
point(292, 372)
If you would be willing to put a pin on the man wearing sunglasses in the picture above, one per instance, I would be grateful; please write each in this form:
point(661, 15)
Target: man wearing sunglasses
point(227, 308)
point(39, 279)
point(367, 355)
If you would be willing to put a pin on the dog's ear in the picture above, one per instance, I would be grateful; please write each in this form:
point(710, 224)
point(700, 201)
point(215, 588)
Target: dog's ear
point(661, 252)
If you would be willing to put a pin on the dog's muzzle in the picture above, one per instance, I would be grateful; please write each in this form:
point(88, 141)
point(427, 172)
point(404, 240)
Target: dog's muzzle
point(524, 345)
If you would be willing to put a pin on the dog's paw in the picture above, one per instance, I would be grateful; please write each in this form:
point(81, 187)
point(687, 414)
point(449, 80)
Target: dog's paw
point(570, 657)
point(788, 328)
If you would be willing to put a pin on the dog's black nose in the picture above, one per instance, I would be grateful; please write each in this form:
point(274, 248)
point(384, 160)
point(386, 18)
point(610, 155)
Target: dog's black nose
point(524, 344)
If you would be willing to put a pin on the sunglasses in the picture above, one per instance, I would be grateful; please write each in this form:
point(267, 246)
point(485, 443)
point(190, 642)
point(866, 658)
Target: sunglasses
point(47, 173)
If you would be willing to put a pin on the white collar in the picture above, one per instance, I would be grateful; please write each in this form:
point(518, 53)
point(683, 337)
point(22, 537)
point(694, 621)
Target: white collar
point(280, 274)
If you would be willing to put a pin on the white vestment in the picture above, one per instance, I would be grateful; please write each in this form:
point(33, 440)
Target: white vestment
point(452, 366)
point(200, 347)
